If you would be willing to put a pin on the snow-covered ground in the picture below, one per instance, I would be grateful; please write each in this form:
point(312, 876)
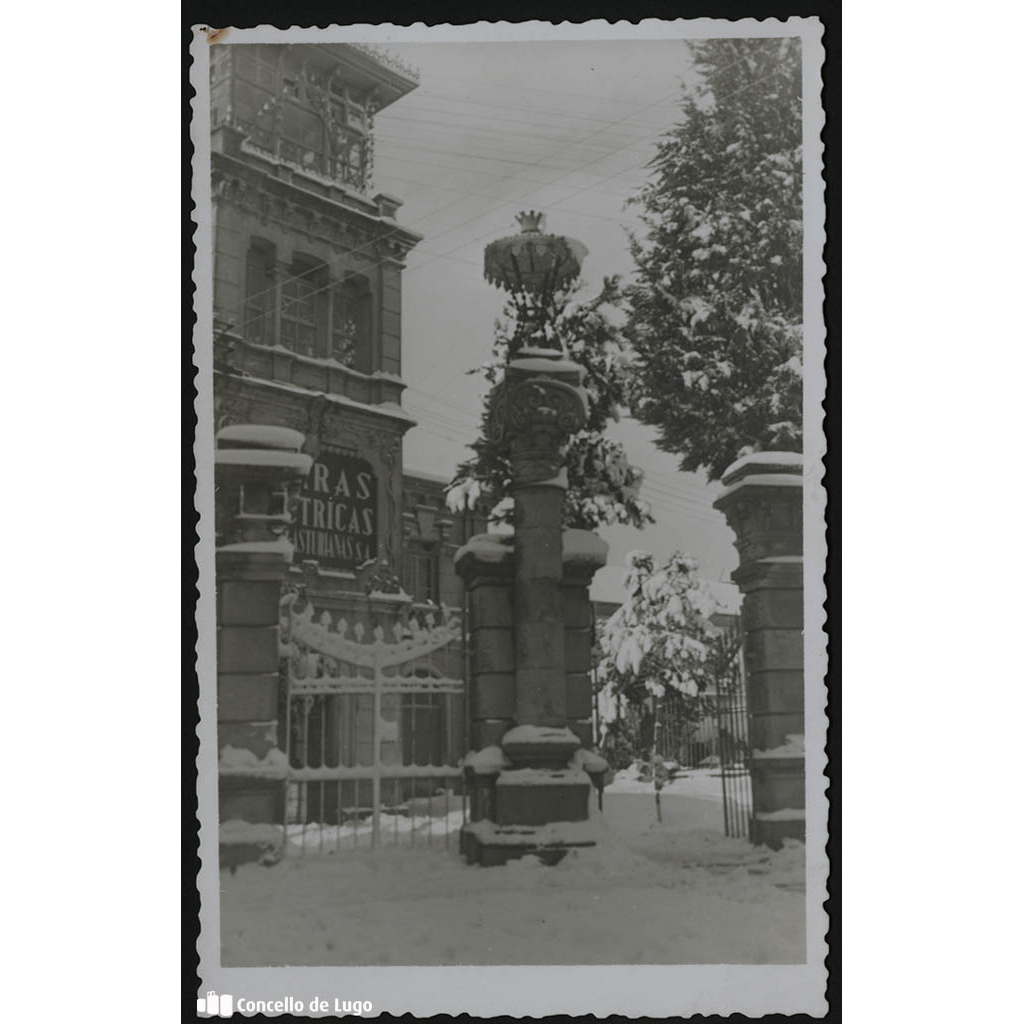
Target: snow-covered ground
point(675, 892)
point(700, 783)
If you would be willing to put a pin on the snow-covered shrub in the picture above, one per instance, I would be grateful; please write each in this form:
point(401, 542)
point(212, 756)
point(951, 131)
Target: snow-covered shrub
point(660, 640)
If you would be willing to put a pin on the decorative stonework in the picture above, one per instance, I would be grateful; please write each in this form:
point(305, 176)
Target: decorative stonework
point(239, 400)
point(531, 261)
point(388, 60)
point(377, 577)
point(519, 648)
point(332, 225)
point(537, 415)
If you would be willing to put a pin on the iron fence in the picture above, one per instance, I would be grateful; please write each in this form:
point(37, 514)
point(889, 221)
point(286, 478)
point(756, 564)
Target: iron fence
point(706, 733)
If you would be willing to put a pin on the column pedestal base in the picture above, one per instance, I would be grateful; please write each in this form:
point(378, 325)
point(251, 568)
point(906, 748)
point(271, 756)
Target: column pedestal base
point(490, 845)
point(771, 832)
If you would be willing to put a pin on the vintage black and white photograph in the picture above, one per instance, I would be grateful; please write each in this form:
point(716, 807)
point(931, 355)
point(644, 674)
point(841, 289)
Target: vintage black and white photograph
point(510, 368)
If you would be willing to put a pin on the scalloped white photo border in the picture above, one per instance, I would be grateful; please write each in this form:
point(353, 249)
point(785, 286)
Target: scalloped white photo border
point(631, 991)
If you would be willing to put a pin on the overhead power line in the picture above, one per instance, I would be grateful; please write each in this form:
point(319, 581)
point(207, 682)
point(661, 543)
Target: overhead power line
point(478, 171)
point(490, 157)
point(479, 216)
point(448, 188)
point(419, 99)
point(461, 223)
point(669, 485)
point(532, 130)
point(662, 494)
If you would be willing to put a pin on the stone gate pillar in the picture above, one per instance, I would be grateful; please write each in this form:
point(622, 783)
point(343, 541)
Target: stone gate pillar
point(763, 503)
point(583, 554)
point(486, 565)
point(257, 471)
point(539, 406)
point(532, 789)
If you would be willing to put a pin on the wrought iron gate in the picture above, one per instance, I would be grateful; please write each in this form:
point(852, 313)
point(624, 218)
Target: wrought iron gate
point(716, 741)
point(733, 734)
point(375, 733)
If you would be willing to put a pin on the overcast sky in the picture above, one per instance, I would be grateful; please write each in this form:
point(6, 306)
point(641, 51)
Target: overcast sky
point(495, 128)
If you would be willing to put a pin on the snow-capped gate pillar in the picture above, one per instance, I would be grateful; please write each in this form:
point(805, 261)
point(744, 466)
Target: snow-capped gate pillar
point(257, 471)
point(583, 553)
point(536, 408)
point(763, 503)
point(532, 791)
point(485, 563)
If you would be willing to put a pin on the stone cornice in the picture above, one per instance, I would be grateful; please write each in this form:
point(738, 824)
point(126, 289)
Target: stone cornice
point(304, 401)
point(273, 192)
point(239, 357)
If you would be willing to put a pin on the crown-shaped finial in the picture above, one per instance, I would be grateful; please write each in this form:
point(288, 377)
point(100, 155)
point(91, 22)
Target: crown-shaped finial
point(530, 221)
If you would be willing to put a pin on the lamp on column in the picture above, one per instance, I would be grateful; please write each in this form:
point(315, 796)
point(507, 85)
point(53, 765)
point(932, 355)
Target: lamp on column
point(531, 266)
point(533, 261)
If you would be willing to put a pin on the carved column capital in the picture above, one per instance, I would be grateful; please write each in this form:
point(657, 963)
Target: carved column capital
point(536, 412)
point(763, 505)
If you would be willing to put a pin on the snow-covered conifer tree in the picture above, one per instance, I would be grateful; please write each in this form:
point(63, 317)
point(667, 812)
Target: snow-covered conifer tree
point(715, 309)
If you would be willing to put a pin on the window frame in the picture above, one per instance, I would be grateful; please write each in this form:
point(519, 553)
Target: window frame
point(303, 272)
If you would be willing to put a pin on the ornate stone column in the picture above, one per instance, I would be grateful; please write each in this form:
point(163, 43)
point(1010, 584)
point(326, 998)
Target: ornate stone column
point(533, 791)
point(537, 407)
point(763, 503)
point(530, 786)
point(258, 470)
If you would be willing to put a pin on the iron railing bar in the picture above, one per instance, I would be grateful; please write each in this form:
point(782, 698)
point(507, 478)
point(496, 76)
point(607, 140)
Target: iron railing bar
point(447, 822)
point(322, 816)
point(323, 731)
point(355, 814)
point(377, 739)
point(337, 816)
point(287, 727)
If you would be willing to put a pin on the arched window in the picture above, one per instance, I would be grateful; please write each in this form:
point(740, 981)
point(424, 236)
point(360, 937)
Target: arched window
point(302, 137)
point(258, 314)
point(348, 137)
point(419, 571)
point(352, 325)
point(299, 302)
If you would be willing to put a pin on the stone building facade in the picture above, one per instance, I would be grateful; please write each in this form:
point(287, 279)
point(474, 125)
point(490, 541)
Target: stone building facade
point(307, 286)
point(307, 274)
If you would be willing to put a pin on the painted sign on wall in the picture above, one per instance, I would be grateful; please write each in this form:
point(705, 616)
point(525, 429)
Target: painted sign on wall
point(336, 518)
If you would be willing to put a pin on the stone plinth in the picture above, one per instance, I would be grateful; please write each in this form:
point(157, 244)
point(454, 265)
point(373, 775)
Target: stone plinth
point(257, 472)
point(763, 503)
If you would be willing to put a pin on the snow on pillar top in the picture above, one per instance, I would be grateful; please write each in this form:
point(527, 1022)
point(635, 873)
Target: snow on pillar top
point(259, 435)
point(762, 464)
point(486, 554)
point(583, 553)
point(763, 504)
point(584, 547)
point(547, 362)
